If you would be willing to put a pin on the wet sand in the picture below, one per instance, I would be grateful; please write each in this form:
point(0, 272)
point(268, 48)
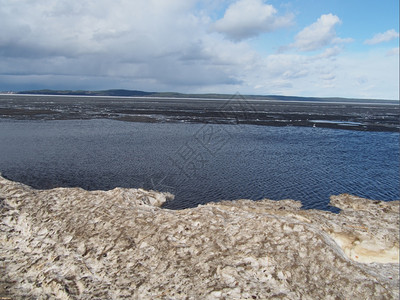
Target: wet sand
point(366, 116)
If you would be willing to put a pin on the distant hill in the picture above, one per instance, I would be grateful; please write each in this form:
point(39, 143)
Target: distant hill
point(120, 93)
point(135, 93)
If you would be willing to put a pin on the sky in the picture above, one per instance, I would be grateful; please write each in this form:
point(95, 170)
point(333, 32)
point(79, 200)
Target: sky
point(325, 48)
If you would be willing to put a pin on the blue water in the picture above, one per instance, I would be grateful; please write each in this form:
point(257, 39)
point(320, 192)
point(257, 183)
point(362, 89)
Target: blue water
point(200, 163)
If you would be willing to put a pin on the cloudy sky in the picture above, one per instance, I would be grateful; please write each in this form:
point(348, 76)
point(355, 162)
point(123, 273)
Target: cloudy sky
point(294, 47)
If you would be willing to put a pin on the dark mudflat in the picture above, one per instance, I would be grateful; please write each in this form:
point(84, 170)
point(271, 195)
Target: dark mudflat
point(237, 110)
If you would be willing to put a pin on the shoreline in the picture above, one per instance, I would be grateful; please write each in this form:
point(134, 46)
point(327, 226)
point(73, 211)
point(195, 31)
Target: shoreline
point(251, 99)
point(235, 111)
point(70, 243)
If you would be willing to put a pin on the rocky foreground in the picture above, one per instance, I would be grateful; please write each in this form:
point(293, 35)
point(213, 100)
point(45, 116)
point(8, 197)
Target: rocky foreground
point(68, 243)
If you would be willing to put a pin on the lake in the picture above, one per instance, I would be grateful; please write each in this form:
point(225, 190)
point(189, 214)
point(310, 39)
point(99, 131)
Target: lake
point(200, 163)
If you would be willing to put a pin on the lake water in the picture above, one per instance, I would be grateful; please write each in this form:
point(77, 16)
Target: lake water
point(200, 163)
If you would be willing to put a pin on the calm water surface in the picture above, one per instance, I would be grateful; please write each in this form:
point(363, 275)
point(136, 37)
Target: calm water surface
point(200, 163)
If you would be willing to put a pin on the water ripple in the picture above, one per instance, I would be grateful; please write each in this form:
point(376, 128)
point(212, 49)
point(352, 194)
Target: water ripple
point(202, 163)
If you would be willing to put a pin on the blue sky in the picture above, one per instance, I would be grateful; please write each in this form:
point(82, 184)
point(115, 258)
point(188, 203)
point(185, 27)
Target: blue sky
point(360, 19)
point(296, 47)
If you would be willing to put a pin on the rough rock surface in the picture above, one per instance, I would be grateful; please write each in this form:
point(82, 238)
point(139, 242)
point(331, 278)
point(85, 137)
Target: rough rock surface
point(68, 243)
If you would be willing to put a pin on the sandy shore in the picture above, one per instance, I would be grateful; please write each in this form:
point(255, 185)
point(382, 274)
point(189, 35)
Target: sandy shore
point(68, 243)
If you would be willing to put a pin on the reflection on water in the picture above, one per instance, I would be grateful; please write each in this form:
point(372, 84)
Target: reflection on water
point(200, 163)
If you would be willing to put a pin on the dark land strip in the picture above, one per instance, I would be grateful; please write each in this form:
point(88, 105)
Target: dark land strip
point(237, 110)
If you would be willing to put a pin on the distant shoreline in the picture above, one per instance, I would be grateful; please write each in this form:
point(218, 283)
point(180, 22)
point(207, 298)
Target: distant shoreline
point(305, 100)
point(188, 96)
point(232, 111)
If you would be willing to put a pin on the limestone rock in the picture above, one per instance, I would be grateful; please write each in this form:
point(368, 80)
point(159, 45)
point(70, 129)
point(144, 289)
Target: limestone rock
point(68, 243)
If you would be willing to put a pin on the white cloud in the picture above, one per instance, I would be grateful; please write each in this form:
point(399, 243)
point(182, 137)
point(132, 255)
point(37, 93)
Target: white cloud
point(330, 52)
point(145, 41)
point(73, 28)
point(248, 18)
point(394, 51)
point(320, 75)
point(369, 75)
point(383, 37)
point(319, 34)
